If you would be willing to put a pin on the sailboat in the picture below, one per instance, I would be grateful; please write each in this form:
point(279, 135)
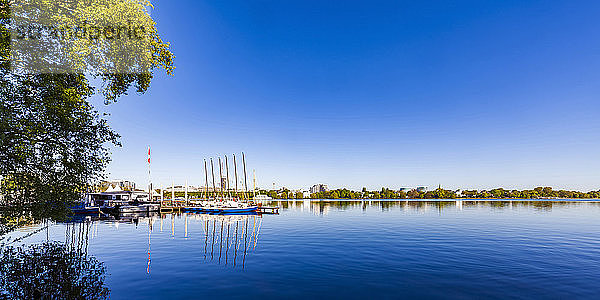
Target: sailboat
point(225, 203)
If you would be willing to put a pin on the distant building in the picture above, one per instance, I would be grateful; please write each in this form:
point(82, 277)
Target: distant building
point(422, 189)
point(318, 188)
point(305, 194)
point(181, 188)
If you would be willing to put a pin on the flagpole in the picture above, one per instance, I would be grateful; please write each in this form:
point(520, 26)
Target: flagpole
point(149, 177)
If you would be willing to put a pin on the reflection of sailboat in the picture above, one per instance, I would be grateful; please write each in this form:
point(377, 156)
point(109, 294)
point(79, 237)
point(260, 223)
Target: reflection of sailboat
point(227, 233)
point(77, 236)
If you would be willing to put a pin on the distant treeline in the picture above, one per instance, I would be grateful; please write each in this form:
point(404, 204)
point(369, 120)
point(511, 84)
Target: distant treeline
point(385, 193)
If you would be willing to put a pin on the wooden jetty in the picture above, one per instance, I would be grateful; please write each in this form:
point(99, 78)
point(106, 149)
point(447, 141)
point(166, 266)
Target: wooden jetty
point(169, 205)
point(271, 210)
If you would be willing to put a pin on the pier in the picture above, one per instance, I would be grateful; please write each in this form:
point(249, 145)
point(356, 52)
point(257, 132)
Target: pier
point(270, 210)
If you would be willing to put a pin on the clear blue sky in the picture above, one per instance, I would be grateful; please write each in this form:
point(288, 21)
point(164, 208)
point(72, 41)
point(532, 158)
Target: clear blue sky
point(466, 94)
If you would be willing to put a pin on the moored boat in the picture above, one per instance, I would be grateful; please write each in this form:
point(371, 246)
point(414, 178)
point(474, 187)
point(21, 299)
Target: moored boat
point(141, 208)
point(223, 207)
point(85, 206)
point(85, 209)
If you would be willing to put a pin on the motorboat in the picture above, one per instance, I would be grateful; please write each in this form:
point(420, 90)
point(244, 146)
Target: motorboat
point(140, 208)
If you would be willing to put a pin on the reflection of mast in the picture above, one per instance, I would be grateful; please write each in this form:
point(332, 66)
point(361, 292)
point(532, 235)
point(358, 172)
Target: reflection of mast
point(227, 243)
point(76, 236)
point(257, 233)
point(245, 244)
point(253, 228)
point(221, 242)
point(229, 236)
point(212, 246)
point(235, 245)
point(206, 238)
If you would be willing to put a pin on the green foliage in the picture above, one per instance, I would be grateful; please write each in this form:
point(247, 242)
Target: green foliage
point(440, 193)
point(53, 143)
point(538, 192)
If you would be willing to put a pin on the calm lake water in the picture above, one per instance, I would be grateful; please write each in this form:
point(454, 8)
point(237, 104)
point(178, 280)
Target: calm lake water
point(493, 250)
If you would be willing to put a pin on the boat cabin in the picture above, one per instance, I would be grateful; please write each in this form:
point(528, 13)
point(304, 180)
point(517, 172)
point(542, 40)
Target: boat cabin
point(112, 198)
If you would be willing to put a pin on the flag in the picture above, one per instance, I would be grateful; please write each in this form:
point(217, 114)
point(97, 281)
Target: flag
point(148, 154)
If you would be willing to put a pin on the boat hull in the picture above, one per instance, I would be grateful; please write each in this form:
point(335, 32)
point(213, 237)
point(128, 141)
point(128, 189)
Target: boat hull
point(85, 210)
point(223, 210)
point(139, 208)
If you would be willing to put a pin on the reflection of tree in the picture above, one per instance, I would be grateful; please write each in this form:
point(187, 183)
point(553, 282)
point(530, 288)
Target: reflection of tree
point(51, 271)
point(322, 206)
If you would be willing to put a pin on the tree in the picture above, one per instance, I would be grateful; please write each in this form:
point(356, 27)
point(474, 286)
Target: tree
point(53, 143)
point(413, 194)
point(273, 194)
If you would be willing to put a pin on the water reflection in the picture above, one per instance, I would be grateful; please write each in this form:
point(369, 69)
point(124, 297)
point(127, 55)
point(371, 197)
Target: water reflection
point(227, 239)
point(61, 268)
point(231, 236)
point(53, 269)
point(163, 248)
point(323, 207)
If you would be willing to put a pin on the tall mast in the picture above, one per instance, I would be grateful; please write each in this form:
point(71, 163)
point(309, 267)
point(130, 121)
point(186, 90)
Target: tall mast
point(235, 171)
point(245, 176)
point(254, 179)
point(227, 172)
point(206, 176)
point(212, 170)
point(221, 177)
